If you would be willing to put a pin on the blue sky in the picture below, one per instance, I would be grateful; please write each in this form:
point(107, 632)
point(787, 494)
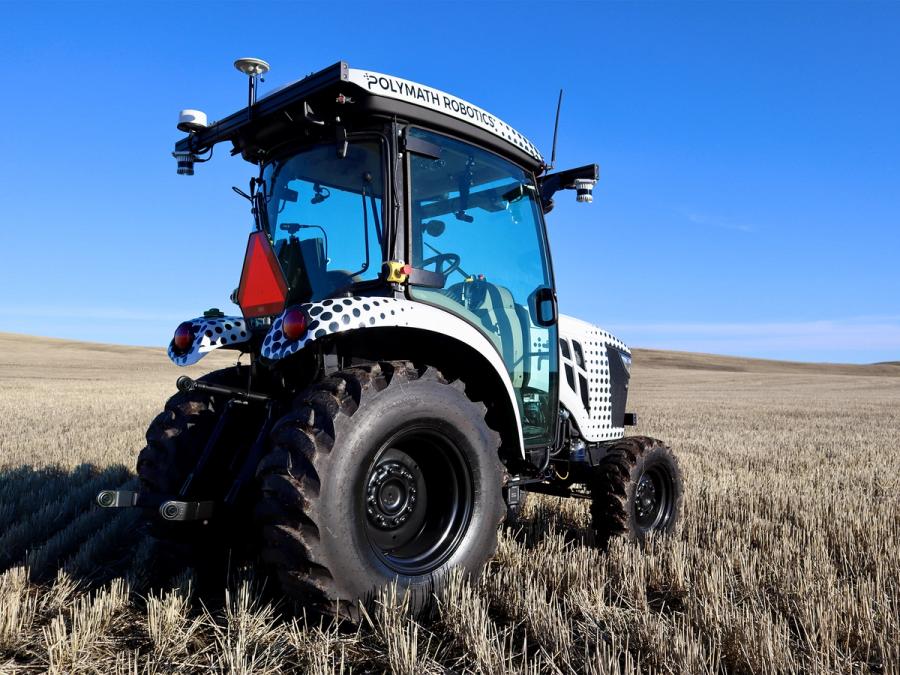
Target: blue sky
point(749, 200)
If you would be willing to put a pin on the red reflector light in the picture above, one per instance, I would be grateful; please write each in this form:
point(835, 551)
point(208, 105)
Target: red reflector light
point(293, 326)
point(183, 339)
point(262, 290)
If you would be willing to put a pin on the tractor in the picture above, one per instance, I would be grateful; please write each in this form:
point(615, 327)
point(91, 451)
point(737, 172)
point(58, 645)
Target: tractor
point(408, 378)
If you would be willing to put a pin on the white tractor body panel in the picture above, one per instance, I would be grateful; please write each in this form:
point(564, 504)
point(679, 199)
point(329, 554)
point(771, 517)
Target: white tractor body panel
point(338, 315)
point(584, 377)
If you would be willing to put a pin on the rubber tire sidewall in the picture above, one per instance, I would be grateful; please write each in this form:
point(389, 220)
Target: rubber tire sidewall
point(659, 455)
point(342, 521)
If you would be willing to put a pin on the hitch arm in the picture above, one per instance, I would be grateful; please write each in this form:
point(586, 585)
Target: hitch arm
point(248, 467)
point(184, 383)
point(117, 499)
point(170, 509)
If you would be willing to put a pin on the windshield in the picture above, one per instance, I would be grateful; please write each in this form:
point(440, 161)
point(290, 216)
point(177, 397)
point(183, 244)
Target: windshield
point(325, 218)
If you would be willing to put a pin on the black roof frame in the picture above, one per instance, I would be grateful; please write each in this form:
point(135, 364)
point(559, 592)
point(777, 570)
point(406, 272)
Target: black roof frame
point(335, 78)
point(229, 127)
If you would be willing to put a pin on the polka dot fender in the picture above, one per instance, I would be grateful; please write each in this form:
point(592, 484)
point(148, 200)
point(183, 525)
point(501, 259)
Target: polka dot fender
point(338, 315)
point(211, 334)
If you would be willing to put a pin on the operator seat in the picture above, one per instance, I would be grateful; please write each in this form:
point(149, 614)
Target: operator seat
point(495, 309)
point(306, 269)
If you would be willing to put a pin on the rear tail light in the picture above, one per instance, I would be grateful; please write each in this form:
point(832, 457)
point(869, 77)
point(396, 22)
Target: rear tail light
point(183, 338)
point(294, 324)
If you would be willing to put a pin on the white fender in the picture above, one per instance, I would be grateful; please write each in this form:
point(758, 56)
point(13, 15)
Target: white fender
point(338, 315)
point(210, 334)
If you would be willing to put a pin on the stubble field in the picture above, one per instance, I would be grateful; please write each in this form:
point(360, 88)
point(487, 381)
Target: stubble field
point(788, 559)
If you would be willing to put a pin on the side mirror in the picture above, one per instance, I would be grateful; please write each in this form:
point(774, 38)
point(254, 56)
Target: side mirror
point(544, 308)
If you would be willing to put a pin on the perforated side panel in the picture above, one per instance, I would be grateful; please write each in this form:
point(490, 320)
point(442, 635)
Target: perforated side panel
point(583, 349)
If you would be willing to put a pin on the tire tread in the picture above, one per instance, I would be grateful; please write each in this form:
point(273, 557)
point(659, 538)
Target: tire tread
point(290, 478)
point(613, 481)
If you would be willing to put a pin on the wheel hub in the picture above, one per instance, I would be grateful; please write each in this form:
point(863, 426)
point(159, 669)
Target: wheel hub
point(646, 498)
point(653, 498)
point(391, 495)
point(418, 499)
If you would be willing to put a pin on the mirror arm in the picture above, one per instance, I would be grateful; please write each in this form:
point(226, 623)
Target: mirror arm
point(552, 183)
point(310, 116)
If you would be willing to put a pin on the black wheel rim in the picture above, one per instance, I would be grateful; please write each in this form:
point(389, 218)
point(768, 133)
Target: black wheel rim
point(654, 499)
point(417, 501)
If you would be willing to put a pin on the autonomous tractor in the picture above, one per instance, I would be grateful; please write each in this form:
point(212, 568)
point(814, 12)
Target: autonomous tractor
point(403, 379)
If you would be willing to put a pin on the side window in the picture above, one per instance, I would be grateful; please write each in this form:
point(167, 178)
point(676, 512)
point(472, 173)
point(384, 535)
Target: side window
point(325, 218)
point(476, 221)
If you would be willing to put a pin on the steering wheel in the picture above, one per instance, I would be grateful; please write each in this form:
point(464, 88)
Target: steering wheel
point(439, 260)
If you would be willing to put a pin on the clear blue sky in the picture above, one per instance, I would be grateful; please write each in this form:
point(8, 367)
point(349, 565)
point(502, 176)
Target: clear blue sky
point(749, 200)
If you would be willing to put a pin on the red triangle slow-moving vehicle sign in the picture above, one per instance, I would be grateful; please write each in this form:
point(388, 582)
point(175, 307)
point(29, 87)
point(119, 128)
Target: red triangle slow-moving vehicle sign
point(263, 290)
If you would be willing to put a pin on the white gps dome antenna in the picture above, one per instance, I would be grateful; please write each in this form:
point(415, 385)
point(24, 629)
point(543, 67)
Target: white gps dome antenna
point(192, 121)
point(254, 69)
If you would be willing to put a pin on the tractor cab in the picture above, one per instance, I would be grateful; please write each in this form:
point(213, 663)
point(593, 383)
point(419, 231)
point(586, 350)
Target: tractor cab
point(371, 185)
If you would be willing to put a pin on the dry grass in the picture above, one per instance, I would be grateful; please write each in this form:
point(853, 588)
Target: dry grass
point(788, 560)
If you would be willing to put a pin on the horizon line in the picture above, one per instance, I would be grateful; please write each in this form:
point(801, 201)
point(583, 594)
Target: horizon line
point(5, 333)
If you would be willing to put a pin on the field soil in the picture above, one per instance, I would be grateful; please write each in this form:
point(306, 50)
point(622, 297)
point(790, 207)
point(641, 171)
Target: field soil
point(787, 559)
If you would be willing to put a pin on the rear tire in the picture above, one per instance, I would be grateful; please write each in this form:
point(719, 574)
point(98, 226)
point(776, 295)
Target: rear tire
point(378, 473)
point(636, 489)
point(175, 439)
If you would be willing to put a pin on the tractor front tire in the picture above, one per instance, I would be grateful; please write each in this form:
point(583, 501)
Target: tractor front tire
point(637, 488)
point(379, 473)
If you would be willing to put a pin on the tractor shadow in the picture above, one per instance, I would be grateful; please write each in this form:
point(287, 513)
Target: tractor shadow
point(51, 524)
point(50, 521)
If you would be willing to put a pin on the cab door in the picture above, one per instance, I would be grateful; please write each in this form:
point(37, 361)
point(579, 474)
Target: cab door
point(476, 222)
